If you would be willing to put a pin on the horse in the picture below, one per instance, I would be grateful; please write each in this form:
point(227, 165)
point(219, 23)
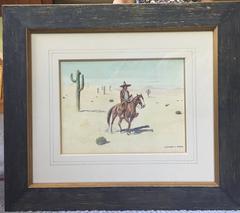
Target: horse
point(125, 111)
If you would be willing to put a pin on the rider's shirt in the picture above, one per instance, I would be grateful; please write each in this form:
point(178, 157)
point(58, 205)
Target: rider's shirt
point(124, 96)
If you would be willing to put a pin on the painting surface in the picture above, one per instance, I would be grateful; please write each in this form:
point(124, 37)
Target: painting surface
point(142, 99)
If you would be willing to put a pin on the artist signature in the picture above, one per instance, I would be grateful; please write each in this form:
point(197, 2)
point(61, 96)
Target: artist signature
point(171, 147)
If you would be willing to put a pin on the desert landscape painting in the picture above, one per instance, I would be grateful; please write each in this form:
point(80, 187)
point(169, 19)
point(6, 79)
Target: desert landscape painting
point(122, 106)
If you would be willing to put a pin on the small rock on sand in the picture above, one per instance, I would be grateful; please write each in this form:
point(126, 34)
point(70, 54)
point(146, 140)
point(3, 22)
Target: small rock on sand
point(101, 141)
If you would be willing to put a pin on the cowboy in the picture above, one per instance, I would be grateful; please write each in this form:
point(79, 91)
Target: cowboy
point(124, 93)
point(125, 97)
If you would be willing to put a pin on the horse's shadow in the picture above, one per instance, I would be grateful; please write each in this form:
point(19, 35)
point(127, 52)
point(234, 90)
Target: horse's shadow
point(138, 130)
point(95, 110)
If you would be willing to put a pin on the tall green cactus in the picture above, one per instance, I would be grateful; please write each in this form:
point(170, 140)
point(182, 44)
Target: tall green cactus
point(79, 80)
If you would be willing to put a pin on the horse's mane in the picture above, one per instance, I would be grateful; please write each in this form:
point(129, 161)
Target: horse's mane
point(134, 98)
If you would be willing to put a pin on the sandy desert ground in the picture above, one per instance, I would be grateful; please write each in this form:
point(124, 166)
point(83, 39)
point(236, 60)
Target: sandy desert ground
point(163, 129)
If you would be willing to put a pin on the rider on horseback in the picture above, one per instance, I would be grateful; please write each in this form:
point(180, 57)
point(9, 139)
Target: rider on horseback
point(125, 96)
point(126, 109)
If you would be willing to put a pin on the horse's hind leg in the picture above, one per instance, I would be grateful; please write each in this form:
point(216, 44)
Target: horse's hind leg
point(119, 123)
point(113, 118)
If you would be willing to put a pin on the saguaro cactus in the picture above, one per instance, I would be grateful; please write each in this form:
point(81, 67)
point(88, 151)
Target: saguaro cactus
point(79, 80)
point(104, 90)
point(148, 91)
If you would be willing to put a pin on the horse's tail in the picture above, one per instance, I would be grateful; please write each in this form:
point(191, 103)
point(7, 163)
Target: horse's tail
point(109, 115)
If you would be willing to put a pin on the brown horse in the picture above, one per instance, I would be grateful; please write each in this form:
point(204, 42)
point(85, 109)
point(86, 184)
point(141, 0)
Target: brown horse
point(125, 111)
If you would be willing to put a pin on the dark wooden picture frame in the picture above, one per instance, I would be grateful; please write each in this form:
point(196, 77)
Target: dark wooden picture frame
point(19, 22)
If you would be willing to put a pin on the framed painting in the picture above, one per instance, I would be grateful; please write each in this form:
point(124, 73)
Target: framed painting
point(131, 111)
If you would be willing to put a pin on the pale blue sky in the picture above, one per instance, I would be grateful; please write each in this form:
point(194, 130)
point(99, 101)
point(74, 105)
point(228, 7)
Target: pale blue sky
point(162, 73)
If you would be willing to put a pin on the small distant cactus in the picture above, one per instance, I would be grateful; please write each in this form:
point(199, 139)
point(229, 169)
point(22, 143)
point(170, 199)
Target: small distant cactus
point(79, 80)
point(104, 90)
point(97, 90)
point(110, 88)
point(148, 91)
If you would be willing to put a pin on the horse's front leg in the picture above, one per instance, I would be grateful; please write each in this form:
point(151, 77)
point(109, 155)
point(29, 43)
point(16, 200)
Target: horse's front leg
point(129, 124)
point(129, 128)
point(129, 121)
point(136, 114)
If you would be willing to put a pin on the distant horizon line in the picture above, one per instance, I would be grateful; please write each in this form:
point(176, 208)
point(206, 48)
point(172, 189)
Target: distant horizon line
point(132, 87)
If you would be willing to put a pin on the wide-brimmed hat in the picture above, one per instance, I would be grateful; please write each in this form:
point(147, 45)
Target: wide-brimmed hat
point(125, 84)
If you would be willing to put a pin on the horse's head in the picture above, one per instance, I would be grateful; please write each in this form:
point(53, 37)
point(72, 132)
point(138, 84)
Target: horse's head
point(140, 100)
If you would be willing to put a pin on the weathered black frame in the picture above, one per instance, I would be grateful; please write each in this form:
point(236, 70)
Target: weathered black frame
point(97, 18)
